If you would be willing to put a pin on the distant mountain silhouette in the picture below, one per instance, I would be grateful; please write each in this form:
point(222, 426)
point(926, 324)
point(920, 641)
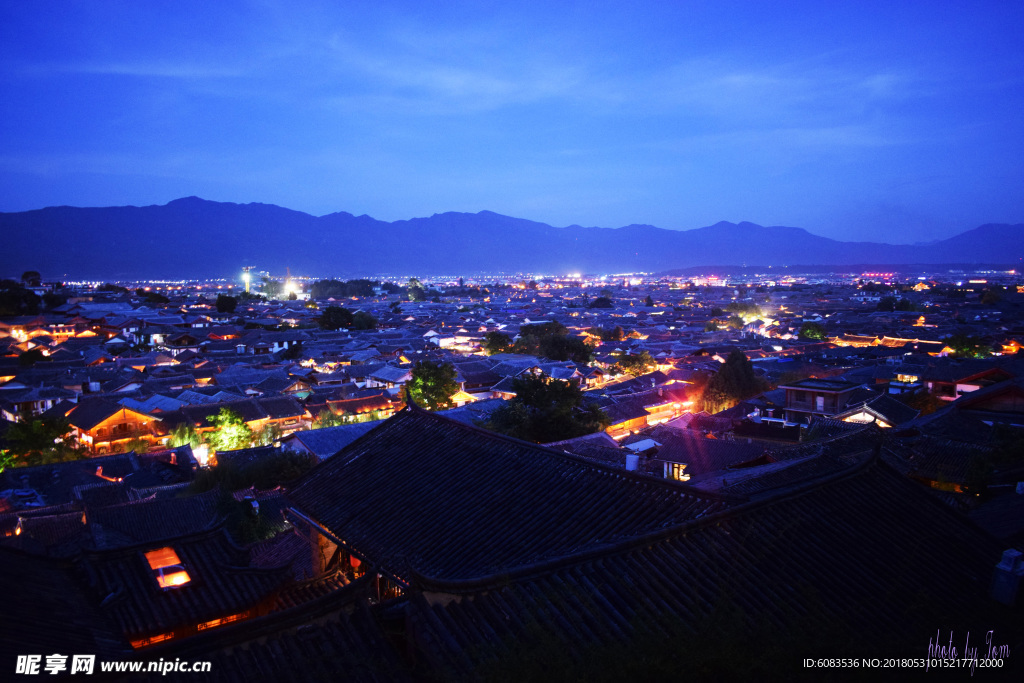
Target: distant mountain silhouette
point(193, 237)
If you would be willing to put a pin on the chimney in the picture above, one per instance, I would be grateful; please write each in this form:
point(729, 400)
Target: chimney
point(1007, 576)
point(632, 462)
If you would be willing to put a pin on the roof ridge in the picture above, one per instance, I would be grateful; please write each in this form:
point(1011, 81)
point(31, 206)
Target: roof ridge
point(523, 572)
point(572, 457)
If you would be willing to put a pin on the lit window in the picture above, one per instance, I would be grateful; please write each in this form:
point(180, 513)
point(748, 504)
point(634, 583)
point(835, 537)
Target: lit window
point(676, 472)
point(224, 620)
point(167, 568)
point(152, 640)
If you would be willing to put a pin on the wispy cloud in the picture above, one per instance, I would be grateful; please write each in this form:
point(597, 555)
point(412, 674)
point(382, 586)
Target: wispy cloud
point(140, 69)
point(446, 84)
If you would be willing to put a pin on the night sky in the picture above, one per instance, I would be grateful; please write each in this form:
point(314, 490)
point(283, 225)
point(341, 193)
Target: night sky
point(888, 121)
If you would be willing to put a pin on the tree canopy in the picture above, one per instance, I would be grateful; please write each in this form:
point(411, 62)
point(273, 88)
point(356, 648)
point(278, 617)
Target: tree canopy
point(546, 410)
point(337, 289)
point(614, 334)
point(812, 330)
point(734, 382)
point(637, 364)
point(335, 317)
point(415, 290)
point(967, 346)
point(550, 339)
point(363, 321)
point(42, 442)
point(497, 342)
point(433, 385)
point(891, 303)
point(226, 304)
point(230, 433)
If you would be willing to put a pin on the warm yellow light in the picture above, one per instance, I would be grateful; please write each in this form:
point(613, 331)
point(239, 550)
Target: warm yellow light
point(174, 579)
point(162, 557)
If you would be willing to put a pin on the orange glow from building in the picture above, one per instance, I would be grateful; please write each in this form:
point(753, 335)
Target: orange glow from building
point(173, 579)
point(165, 558)
point(213, 623)
point(152, 640)
point(162, 557)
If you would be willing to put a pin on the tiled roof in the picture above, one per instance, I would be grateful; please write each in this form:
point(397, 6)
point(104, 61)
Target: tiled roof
point(327, 441)
point(832, 551)
point(427, 493)
point(701, 454)
point(49, 611)
point(222, 583)
point(152, 520)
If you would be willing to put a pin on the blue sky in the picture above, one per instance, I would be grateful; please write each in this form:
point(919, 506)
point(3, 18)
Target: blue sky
point(896, 122)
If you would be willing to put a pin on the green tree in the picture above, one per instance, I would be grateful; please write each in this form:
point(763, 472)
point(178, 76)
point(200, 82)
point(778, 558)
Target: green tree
point(110, 287)
point(230, 431)
point(326, 289)
point(335, 317)
point(42, 442)
point(155, 298)
point(601, 302)
point(735, 322)
point(433, 385)
point(967, 346)
point(271, 288)
point(812, 330)
point(989, 297)
point(327, 418)
point(53, 300)
point(734, 382)
point(7, 459)
point(744, 309)
point(29, 358)
point(711, 326)
point(905, 305)
point(886, 303)
point(226, 304)
point(637, 364)
point(562, 347)
point(31, 278)
point(363, 321)
point(273, 470)
point(649, 302)
point(268, 435)
point(546, 410)
point(541, 329)
point(185, 433)
point(614, 334)
point(415, 290)
point(497, 342)
point(137, 444)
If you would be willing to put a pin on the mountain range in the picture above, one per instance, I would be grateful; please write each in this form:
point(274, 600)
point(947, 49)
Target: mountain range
point(196, 238)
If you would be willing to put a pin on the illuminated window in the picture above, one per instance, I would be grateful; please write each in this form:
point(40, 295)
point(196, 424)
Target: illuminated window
point(167, 568)
point(219, 622)
point(152, 640)
point(676, 471)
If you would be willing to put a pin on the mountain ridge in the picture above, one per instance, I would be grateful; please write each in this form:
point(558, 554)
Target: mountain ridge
point(191, 237)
